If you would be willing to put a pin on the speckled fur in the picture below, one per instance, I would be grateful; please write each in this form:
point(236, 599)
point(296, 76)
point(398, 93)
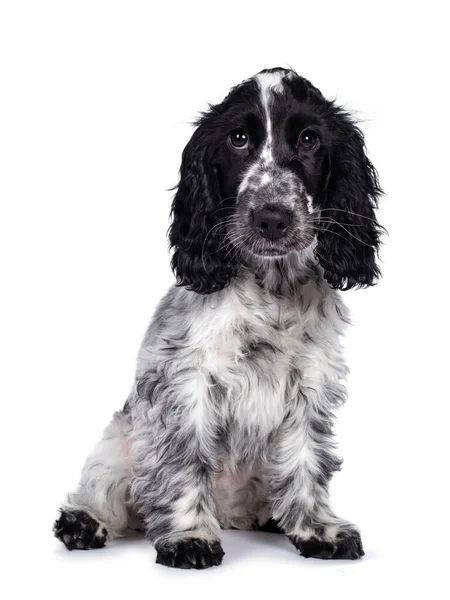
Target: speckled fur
point(230, 420)
point(231, 414)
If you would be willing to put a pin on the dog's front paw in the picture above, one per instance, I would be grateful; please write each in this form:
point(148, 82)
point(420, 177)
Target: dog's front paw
point(191, 553)
point(79, 531)
point(345, 545)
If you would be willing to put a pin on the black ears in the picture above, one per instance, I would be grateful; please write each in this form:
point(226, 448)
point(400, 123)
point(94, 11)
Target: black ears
point(200, 260)
point(349, 235)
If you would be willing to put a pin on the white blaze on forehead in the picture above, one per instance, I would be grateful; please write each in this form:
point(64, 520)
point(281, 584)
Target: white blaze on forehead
point(268, 83)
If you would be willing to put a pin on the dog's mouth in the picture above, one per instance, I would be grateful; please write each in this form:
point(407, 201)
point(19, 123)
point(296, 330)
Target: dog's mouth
point(250, 243)
point(270, 252)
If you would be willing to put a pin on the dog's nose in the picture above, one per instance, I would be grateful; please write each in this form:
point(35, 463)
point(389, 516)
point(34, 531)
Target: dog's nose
point(272, 223)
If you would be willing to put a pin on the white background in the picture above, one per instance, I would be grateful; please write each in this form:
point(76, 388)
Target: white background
point(95, 104)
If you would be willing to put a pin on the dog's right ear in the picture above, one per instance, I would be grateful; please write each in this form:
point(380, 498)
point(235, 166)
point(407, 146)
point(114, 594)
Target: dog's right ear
point(199, 259)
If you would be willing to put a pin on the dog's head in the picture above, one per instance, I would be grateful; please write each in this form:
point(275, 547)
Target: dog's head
point(274, 169)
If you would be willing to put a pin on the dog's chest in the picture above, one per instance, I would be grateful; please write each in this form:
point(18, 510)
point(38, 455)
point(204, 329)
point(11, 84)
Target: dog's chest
point(251, 353)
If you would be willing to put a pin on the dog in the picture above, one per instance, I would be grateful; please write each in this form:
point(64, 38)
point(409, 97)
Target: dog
point(230, 421)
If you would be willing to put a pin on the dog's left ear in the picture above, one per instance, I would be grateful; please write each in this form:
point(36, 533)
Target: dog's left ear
point(200, 260)
point(349, 234)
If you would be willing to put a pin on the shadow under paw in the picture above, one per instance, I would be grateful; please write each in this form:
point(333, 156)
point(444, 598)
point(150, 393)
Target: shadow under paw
point(190, 553)
point(79, 531)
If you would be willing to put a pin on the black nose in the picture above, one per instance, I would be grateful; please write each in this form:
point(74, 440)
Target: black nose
point(272, 223)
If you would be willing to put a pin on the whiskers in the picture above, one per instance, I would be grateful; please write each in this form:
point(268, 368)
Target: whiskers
point(355, 214)
point(242, 245)
point(219, 229)
point(318, 221)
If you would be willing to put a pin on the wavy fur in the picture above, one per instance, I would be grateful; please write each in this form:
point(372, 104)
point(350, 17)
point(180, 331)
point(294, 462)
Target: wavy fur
point(230, 420)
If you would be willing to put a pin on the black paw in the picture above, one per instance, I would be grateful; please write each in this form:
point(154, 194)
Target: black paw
point(78, 531)
point(347, 545)
point(270, 526)
point(190, 553)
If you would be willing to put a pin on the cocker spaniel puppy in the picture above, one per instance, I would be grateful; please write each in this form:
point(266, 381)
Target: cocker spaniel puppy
point(229, 422)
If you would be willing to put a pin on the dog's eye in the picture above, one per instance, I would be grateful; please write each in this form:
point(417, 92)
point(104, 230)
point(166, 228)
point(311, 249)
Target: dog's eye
point(308, 140)
point(238, 139)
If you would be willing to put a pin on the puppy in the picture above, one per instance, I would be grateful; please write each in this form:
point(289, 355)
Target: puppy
point(229, 422)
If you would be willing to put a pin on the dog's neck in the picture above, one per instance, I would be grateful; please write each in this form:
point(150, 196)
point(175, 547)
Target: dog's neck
point(283, 275)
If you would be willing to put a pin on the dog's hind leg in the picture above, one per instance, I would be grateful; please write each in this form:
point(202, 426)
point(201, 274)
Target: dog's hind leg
point(98, 509)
